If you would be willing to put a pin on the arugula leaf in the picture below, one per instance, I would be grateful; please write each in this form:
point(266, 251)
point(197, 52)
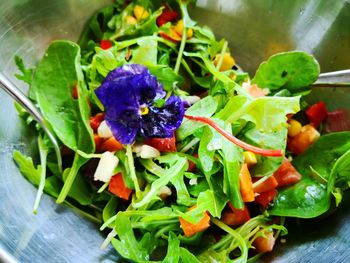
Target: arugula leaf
point(187, 256)
point(288, 70)
point(127, 245)
point(166, 76)
point(32, 174)
point(110, 208)
point(206, 107)
point(329, 157)
point(27, 74)
point(173, 253)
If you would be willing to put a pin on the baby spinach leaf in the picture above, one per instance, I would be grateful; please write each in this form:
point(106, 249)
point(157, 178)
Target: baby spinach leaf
point(289, 70)
point(311, 197)
point(55, 78)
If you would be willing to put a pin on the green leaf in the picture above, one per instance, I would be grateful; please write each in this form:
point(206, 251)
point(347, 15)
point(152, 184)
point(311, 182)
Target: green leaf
point(173, 253)
point(187, 256)
point(146, 53)
point(166, 76)
point(27, 74)
point(55, 78)
point(310, 197)
point(289, 70)
point(127, 245)
point(206, 107)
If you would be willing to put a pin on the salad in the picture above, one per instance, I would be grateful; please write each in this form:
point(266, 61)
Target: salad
point(176, 152)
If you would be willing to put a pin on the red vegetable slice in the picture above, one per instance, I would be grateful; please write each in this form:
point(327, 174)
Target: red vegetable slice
point(246, 185)
point(303, 140)
point(265, 198)
point(264, 244)
point(162, 144)
point(167, 16)
point(233, 139)
point(266, 185)
point(117, 187)
point(236, 217)
point(286, 174)
point(338, 120)
point(105, 44)
point(316, 113)
point(190, 229)
point(96, 120)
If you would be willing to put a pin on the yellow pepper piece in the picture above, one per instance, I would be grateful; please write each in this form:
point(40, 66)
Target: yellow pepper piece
point(227, 62)
point(179, 28)
point(130, 20)
point(294, 128)
point(140, 12)
point(250, 158)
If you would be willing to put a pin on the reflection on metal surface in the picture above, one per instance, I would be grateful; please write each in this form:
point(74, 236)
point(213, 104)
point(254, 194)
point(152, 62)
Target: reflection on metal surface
point(255, 30)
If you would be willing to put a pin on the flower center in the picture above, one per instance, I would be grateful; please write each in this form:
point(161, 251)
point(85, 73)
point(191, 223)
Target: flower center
point(144, 110)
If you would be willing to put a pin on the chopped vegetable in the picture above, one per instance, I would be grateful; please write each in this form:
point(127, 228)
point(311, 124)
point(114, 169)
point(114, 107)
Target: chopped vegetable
point(193, 228)
point(235, 217)
point(265, 198)
point(286, 174)
point(264, 184)
point(117, 187)
point(162, 144)
point(246, 185)
point(338, 120)
point(106, 166)
point(111, 145)
point(264, 243)
point(307, 136)
point(316, 113)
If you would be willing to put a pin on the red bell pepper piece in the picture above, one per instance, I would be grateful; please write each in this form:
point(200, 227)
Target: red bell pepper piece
point(266, 185)
point(167, 16)
point(338, 120)
point(265, 198)
point(286, 174)
point(117, 187)
point(162, 144)
point(316, 113)
point(236, 216)
point(96, 120)
point(105, 44)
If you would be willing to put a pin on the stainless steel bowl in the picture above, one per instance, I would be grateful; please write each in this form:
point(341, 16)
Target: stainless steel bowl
point(255, 30)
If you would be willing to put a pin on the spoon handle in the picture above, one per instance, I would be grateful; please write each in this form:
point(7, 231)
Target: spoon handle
point(22, 99)
point(339, 78)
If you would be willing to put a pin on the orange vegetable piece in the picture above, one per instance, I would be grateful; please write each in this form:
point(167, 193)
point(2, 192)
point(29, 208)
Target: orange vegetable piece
point(98, 142)
point(117, 187)
point(264, 244)
point(191, 229)
point(307, 136)
point(267, 185)
point(246, 185)
point(111, 145)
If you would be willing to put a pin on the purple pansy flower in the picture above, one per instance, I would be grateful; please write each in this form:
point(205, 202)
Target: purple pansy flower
point(128, 94)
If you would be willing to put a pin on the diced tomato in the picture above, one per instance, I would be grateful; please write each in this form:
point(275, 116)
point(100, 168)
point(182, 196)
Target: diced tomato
point(236, 216)
point(303, 140)
point(111, 145)
point(265, 185)
point(265, 198)
point(75, 92)
point(316, 113)
point(117, 187)
point(98, 142)
point(105, 44)
point(246, 185)
point(162, 144)
point(96, 120)
point(167, 16)
point(191, 229)
point(338, 120)
point(286, 174)
point(264, 244)
point(191, 165)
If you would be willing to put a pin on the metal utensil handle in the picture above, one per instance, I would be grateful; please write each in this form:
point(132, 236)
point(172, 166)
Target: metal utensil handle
point(339, 78)
point(22, 99)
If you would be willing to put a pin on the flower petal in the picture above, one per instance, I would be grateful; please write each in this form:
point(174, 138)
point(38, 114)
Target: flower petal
point(122, 108)
point(162, 122)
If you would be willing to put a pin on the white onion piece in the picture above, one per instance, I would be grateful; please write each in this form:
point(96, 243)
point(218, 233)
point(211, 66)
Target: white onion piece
point(148, 152)
point(104, 131)
point(105, 167)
